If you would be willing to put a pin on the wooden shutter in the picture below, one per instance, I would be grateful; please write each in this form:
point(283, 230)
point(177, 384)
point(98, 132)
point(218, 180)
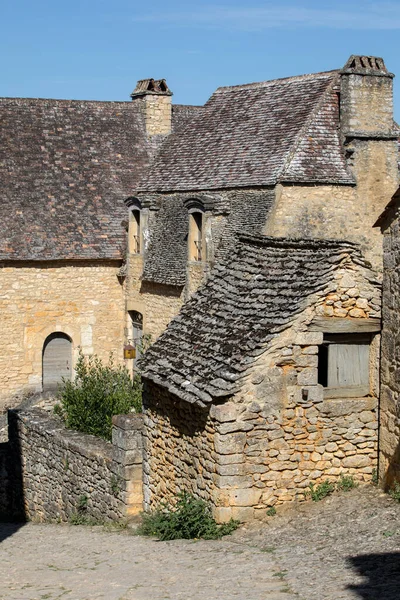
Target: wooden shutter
point(348, 369)
point(57, 359)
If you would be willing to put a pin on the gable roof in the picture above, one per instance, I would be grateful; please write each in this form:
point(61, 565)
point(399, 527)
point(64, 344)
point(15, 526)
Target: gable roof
point(247, 300)
point(256, 135)
point(65, 168)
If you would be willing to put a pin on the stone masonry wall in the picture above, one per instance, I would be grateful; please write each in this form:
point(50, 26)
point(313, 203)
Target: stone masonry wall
point(389, 446)
point(5, 482)
point(294, 434)
point(61, 470)
point(83, 300)
point(178, 448)
point(341, 212)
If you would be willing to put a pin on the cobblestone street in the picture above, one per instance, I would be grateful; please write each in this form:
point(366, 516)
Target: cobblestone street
point(346, 547)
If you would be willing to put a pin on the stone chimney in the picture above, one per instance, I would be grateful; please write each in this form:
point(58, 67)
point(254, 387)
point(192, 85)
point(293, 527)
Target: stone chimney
point(366, 97)
point(155, 96)
point(369, 137)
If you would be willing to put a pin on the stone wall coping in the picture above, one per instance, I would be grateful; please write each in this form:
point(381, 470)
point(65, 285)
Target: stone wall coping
point(85, 444)
point(131, 421)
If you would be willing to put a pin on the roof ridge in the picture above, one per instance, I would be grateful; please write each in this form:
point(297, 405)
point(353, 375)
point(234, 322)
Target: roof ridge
point(302, 131)
point(66, 100)
point(268, 82)
point(285, 242)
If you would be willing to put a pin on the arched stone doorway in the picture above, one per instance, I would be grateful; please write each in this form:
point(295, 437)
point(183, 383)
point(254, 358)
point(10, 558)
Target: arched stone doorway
point(56, 360)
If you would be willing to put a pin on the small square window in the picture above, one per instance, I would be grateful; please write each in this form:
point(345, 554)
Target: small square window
point(343, 365)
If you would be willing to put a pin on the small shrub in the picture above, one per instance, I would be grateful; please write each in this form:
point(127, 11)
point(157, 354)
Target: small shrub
point(189, 518)
point(346, 483)
point(82, 503)
point(116, 484)
point(271, 512)
point(97, 394)
point(321, 491)
point(374, 476)
point(395, 492)
point(78, 518)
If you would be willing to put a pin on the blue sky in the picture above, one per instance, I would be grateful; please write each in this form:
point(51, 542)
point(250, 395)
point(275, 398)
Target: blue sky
point(91, 49)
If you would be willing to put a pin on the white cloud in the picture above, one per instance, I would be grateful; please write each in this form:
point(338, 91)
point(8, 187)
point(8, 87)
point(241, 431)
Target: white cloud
point(360, 15)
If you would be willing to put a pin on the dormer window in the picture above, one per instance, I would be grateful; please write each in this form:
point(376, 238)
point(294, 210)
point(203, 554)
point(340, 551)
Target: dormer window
point(195, 236)
point(135, 232)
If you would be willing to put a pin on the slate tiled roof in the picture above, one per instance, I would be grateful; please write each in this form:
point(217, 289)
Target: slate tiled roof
point(65, 169)
point(182, 114)
point(166, 258)
point(247, 300)
point(248, 135)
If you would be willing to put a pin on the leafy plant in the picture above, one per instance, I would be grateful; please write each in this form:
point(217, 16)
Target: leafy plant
point(321, 491)
point(395, 492)
point(271, 512)
point(374, 476)
point(116, 484)
point(346, 483)
point(98, 392)
point(189, 518)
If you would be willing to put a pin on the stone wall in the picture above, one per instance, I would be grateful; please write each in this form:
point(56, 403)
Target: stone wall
point(341, 212)
point(5, 509)
point(178, 448)
point(63, 472)
point(84, 300)
point(389, 443)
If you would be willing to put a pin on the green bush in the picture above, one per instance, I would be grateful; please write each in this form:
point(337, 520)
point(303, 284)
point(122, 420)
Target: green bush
point(189, 518)
point(98, 392)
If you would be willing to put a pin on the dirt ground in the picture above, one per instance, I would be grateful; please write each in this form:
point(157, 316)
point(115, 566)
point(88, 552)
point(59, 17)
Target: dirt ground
point(344, 547)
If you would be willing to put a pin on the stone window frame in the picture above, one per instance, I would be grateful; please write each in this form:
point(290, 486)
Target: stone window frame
point(135, 227)
point(367, 331)
point(195, 237)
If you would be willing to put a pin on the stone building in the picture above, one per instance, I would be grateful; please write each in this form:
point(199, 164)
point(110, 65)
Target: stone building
point(258, 388)
point(389, 431)
point(66, 168)
point(115, 213)
point(308, 156)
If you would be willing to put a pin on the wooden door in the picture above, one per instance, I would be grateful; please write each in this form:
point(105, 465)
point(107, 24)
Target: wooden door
point(57, 360)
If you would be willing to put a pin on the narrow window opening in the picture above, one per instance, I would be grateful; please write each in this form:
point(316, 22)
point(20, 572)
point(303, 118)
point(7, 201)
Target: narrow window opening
point(136, 333)
point(196, 236)
point(135, 241)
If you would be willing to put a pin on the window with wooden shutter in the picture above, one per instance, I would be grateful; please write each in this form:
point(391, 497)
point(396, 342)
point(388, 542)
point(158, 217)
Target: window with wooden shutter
point(343, 365)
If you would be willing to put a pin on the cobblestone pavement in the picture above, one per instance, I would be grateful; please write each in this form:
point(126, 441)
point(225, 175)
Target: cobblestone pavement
point(42, 562)
point(346, 547)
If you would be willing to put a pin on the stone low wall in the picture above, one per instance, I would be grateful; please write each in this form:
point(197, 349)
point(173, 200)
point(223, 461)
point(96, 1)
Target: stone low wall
point(5, 509)
point(61, 472)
